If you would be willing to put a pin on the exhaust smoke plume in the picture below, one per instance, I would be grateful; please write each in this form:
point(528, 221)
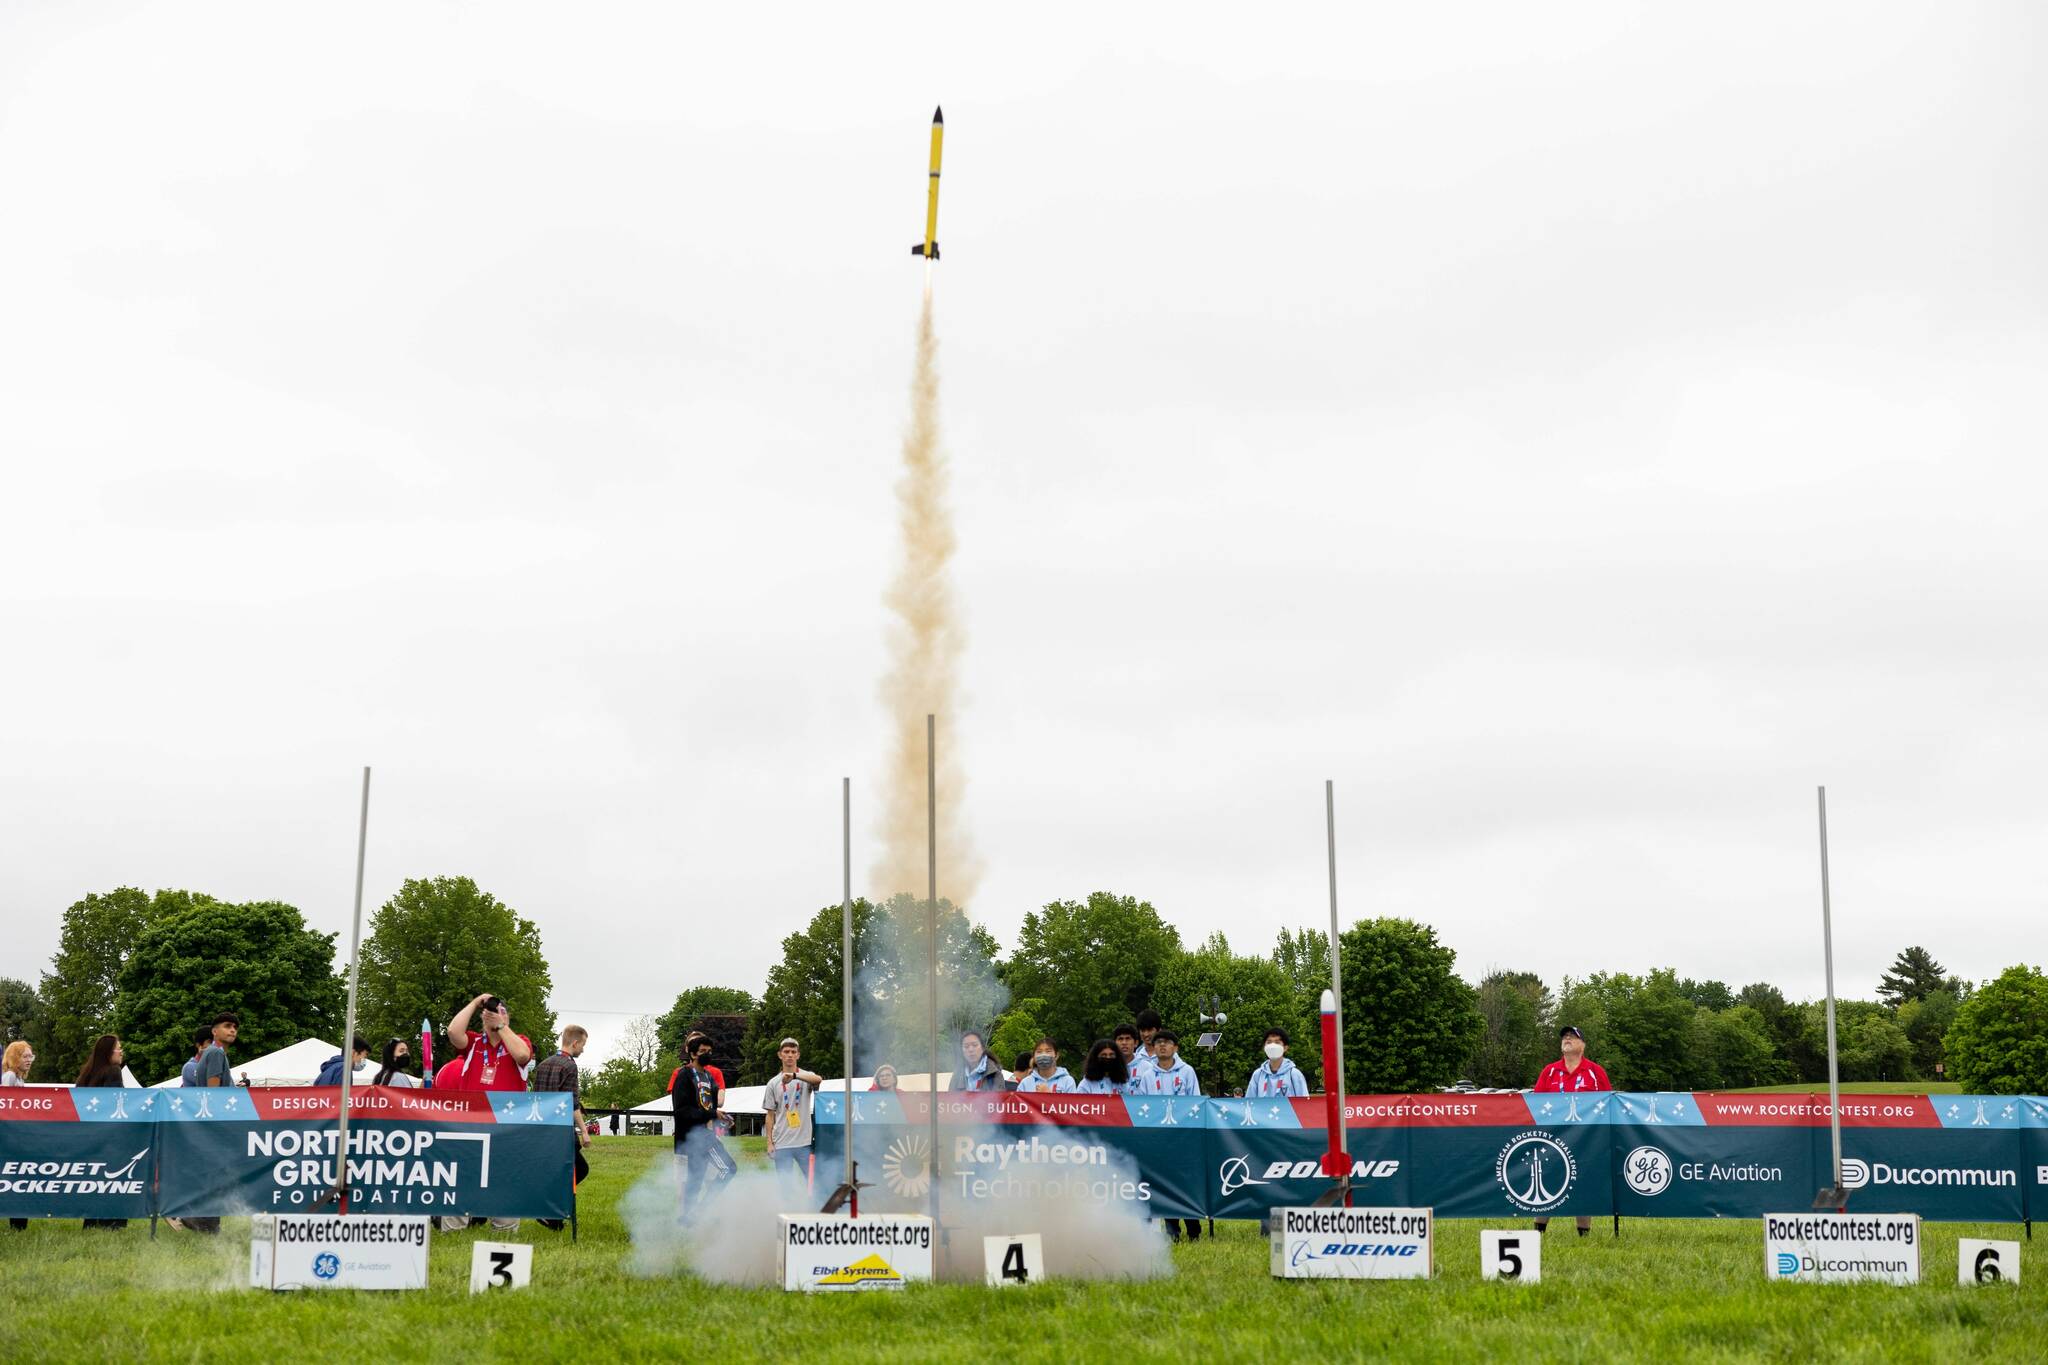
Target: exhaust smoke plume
point(925, 641)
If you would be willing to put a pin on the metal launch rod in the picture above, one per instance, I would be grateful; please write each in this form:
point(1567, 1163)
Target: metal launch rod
point(931, 815)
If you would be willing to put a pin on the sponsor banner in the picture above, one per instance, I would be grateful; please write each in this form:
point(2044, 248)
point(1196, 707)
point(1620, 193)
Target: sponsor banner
point(1826, 1248)
point(1254, 1171)
point(74, 1170)
point(1700, 1171)
point(499, 1155)
point(828, 1253)
point(1353, 1244)
point(1811, 1110)
point(1145, 1152)
point(1967, 1175)
point(361, 1251)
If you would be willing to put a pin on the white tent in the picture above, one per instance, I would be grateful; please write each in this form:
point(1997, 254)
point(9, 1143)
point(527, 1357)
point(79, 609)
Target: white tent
point(298, 1064)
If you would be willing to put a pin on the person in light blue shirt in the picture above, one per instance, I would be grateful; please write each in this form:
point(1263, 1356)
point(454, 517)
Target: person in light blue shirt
point(201, 1041)
point(978, 1071)
point(1136, 1060)
point(1276, 1077)
point(1046, 1076)
point(1105, 1073)
point(1168, 1074)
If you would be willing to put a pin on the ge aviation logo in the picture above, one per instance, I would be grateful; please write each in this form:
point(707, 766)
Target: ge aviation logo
point(1855, 1173)
point(1535, 1170)
point(326, 1265)
point(1647, 1170)
point(1788, 1264)
point(907, 1167)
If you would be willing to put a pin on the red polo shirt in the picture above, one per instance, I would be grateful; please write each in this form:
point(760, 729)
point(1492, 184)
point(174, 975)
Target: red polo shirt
point(1557, 1079)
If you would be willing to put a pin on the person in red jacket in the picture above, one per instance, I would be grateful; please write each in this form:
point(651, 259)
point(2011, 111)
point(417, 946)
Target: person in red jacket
point(1569, 1074)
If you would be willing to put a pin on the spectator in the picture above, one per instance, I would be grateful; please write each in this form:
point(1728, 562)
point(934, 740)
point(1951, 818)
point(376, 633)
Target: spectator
point(1571, 1073)
point(1126, 1038)
point(786, 1111)
point(1106, 1071)
point(1168, 1074)
point(496, 1058)
point(14, 1068)
point(615, 1123)
point(448, 1076)
point(1045, 1076)
point(1149, 1024)
point(330, 1070)
point(703, 1163)
point(103, 1069)
point(1278, 1078)
point(202, 1039)
point(1019, 1064)
point(556, 1075)
point(885, 1077)
point(391, 1066)
point(212, 1073)
point(978, 1071)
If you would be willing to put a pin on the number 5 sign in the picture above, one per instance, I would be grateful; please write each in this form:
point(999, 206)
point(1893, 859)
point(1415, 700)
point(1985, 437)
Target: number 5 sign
point(1014, 1260)
point(500, 1265)
point(1511, 1256)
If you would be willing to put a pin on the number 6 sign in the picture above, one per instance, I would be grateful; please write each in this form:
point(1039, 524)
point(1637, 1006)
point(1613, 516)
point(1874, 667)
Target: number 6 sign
point(500, 1265)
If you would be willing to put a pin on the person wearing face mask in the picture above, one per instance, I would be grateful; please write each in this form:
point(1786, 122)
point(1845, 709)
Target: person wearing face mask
point(1106, 1072)
point(704, 1164)
point(1168, 1074)
point(391, 1068)
point(1046, 1076)
point(978, 1071)
point(1278, 1078)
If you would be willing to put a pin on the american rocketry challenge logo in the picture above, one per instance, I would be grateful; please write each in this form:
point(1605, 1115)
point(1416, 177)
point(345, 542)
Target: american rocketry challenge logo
point(1535, 1171)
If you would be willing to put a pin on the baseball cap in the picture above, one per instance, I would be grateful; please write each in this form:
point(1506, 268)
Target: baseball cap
point(1570, 1031)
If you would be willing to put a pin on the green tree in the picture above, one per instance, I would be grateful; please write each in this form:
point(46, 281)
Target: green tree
point(892, 1000)
point(1712, 995)
point(1253, 992)
point(1868, 1045)
point(21, 1013)
point(1409, 1022)
point(1639, 1028)
point(1914, 975)
point(1926, 1023)
point(621, 1084)
point(433, 946)
point(689, 1010)
point(1519, 1037)
point(1303, 957)
point(1732, 1050)
point(1094, 962)
point(1017, 1030)
point(100, 932)
point(1998, 1044)
point(1802, 1051)
point(258, 960)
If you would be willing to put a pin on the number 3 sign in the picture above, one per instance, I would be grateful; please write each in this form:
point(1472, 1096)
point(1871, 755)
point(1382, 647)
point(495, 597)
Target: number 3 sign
point(500, 1265)
point(1014, 1260)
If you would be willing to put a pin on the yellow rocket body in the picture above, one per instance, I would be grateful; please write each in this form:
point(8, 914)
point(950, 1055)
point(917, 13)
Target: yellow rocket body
point(929, 247)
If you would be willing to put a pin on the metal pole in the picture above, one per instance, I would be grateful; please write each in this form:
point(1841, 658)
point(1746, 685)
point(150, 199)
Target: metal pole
point(846, 963)
point(348, 1026)
point(931, 817)
point(1827, 938)
point(1335, 1071)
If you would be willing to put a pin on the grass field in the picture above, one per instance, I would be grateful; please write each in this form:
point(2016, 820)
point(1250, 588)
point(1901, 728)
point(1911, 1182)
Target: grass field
point(1667, 1290)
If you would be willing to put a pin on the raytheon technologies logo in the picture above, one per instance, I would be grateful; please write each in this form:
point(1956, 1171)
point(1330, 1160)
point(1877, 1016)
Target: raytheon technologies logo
point(1535, 1171)
point(907, 1167)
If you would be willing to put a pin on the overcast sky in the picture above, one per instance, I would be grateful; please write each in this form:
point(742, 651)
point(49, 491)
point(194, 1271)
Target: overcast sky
point(1577, 434)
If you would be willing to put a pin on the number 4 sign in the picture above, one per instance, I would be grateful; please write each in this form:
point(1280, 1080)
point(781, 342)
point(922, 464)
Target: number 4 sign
point(1511, 1255)
point(1014, 1260)
point(500, 1265)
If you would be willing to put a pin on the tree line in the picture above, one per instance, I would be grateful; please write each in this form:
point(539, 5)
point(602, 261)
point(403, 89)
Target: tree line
point(151, 967)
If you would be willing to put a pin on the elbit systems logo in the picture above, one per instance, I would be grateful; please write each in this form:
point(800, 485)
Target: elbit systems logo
point(1535, 1170)
point(1788, 1264)
point(1647, 1170)
point(326, 1265)
point(907, 1166)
